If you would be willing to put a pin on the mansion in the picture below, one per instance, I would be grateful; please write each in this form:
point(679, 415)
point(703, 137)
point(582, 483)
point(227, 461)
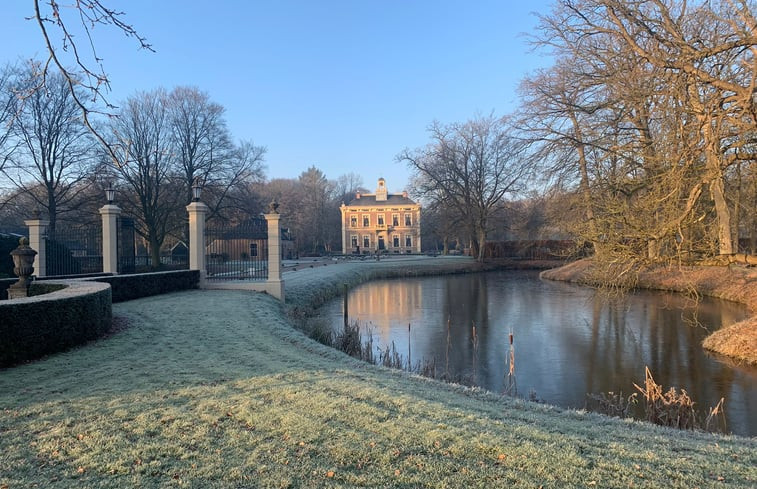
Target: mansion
point(381, 222)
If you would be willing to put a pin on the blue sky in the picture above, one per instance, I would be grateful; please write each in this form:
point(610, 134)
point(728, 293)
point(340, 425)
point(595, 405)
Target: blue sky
point(342, 85)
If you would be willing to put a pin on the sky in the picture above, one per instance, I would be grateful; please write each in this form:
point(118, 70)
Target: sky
point(340, 85)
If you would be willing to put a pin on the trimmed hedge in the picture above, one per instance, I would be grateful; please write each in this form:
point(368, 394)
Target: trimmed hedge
point(129, 287)
point(53, 322)
point(4, 284)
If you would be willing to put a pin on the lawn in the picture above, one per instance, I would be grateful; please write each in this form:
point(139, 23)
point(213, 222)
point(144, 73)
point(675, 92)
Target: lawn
point(212, 389)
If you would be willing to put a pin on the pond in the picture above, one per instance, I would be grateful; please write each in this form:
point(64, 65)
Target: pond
point(568, 340)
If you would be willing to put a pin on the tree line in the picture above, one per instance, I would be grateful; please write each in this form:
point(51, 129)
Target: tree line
point(160, 144)
point(640, 136)
point(644, 125)
point(636, 141)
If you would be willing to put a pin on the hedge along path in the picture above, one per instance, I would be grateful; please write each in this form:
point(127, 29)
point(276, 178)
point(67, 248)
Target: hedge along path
point(216, 389)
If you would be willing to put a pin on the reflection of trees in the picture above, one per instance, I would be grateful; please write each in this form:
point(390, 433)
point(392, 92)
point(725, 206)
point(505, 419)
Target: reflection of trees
point(464, 305)
point(569, 341)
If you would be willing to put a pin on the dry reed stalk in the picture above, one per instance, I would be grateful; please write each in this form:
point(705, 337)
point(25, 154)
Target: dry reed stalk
point(446, 355)
point(474, 340)
point(511, 385)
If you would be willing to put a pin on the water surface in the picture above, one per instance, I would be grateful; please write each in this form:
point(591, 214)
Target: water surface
point(568, 340)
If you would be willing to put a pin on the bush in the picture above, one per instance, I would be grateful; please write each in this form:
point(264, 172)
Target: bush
point(33, 328)
point(129, 287)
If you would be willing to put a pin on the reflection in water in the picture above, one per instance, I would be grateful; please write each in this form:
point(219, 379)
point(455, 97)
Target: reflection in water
point(568, 340)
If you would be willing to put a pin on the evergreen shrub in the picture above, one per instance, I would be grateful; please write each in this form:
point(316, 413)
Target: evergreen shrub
point(129, 287)
point(33, 328)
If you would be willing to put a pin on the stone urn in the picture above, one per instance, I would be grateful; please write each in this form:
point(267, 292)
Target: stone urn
point(23, 267)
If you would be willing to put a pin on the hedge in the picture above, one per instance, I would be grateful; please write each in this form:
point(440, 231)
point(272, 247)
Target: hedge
point(53, 322)
point(129, 287)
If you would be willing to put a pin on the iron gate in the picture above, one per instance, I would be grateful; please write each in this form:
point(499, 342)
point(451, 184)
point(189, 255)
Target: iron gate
point(238, 252)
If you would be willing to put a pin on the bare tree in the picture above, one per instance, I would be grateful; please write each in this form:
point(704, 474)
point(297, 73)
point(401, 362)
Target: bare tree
point(469, 167)
point(54, 150)
point(203, 144)
point(8, 109)
point(647, 112)
point(142, 136)
point(63, 31)
point(347, 185)
point(704, 54)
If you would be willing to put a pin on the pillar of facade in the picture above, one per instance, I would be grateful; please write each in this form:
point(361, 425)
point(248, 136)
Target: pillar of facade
point(197, 212)
point(109, 214)
point(276, 284)
point(37, 229)
point(418, 227)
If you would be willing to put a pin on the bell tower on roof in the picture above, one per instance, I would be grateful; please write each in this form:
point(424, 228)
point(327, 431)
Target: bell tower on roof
point(381, 192)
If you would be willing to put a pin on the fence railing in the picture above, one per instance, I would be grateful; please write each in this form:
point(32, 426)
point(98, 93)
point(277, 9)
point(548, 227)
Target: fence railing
point(237, 252)
point(74, 251)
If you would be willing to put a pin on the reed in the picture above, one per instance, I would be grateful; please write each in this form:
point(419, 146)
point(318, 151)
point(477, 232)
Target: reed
point(666, 408)
point(511, 384)
point(474, 341)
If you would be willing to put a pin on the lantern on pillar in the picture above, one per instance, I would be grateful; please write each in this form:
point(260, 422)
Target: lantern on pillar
point(110, 194)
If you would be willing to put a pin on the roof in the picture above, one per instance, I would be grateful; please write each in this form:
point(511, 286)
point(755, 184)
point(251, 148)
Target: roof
point(366, 200)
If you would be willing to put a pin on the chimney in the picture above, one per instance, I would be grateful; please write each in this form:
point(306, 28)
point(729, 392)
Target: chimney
point(357, 195)
point(404, 193)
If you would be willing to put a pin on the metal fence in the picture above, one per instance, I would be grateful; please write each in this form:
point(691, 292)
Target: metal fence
point(74, 251)
point(126, 245)
point(237, 252)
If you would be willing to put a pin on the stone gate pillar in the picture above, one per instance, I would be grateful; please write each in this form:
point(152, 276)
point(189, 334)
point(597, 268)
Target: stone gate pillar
point(37, 229)
point(197, 212)
point(110, 213)
point(275, 283)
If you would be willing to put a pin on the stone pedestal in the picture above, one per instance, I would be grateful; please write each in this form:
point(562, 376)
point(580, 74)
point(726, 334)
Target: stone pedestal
point(23, 261)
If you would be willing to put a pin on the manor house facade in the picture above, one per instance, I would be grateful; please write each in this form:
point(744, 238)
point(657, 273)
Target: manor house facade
point(381, 222)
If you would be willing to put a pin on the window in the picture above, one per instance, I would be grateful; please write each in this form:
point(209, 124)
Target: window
point(366, 221)
point(395, 220)
point(408, 220)
point(381, 220)
point(353, 240)
point(367, 241)
point(253, 249)
point(409, 240)
point(396, 240)
point(353, 221)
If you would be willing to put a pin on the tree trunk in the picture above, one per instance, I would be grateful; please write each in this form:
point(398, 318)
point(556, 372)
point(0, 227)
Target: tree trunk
point(481, 244)
point(154, 253)
point(725, 238)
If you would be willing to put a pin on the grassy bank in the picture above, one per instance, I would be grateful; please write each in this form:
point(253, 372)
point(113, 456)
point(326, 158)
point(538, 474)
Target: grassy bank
point(733, 283)
point(210, 389)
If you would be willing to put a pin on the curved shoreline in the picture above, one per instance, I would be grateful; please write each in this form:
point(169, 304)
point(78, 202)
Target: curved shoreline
point(210, 388)
point(737, 284)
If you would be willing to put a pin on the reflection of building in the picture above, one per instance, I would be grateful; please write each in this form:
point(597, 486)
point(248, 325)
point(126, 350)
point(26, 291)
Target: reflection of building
point(381, 222)
point(386, 305)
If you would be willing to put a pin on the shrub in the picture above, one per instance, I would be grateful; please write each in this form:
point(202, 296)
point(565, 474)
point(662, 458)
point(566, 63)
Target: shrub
point(33, 328)
point(129, 287)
